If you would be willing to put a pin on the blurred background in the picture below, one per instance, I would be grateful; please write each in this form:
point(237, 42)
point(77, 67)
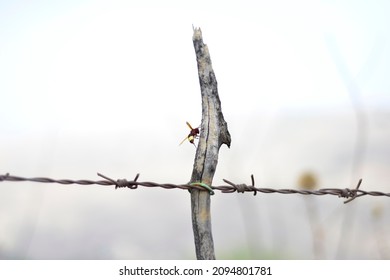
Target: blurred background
point(107, 86)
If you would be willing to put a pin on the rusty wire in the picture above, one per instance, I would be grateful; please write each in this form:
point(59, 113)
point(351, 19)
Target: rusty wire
point(349, 194)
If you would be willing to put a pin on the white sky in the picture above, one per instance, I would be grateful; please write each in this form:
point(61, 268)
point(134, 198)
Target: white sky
point(114, 57)
point(107, 86)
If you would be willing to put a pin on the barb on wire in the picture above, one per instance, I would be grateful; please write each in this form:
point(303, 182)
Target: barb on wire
point(122, 183)
point(349, 194)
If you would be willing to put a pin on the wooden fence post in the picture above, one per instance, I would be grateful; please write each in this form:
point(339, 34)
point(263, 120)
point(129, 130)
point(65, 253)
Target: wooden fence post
point(213, 134)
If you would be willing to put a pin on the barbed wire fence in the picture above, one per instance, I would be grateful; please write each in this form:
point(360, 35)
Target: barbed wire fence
point(230, 187)
point(347, 194)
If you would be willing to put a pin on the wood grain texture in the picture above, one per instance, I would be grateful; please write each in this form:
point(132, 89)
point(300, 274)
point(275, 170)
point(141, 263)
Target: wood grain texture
point(213, 134)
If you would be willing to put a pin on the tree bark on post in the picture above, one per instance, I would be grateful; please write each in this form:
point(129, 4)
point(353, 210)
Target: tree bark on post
point(213, 133)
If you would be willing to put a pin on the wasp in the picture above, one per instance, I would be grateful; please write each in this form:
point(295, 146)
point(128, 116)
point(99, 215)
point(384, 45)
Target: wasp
point(194, 133)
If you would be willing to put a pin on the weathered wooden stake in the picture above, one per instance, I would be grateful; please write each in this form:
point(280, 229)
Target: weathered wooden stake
point(213, 134)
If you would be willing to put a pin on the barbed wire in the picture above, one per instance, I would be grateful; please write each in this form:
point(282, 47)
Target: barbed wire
point(348, 194)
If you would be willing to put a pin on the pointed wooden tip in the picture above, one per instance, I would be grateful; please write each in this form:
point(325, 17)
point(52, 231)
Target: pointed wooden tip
point(197, 33)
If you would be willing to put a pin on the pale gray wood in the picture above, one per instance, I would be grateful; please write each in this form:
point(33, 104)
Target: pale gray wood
point(213, 133)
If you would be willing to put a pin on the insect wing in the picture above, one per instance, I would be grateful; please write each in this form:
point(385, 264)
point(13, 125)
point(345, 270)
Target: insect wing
point(183, 141)
point(189, 125)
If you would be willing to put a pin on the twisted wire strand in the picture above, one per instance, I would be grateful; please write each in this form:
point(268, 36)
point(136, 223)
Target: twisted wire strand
point(349, 194)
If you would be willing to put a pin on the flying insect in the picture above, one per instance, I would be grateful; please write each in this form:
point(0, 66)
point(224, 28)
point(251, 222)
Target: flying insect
point(194, 134)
